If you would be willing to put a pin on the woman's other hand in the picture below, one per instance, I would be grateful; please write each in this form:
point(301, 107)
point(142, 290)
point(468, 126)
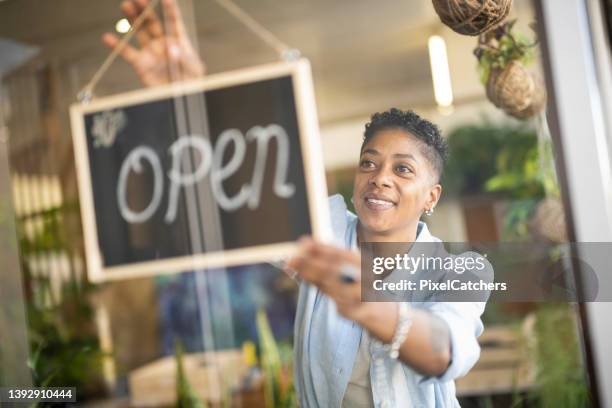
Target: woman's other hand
point(164, 55)
point(324, 266)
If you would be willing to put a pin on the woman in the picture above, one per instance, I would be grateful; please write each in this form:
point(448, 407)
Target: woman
point(396, 182)
point(340, 353)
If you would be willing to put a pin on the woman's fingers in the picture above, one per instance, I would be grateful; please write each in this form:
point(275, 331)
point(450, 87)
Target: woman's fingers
point(310, 270)
point(174, 20)
point(151, 25)
point(128, 53)
point(346, 258)
point(131, 11)
point(322, 263)
point(323, 266)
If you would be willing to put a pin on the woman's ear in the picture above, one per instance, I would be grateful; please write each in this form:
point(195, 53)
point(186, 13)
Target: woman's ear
point(434, 195)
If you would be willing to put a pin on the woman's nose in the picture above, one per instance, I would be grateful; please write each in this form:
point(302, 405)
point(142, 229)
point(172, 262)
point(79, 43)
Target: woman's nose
point(382, 178)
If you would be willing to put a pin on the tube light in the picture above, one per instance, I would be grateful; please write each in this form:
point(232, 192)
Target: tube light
point(443, 91)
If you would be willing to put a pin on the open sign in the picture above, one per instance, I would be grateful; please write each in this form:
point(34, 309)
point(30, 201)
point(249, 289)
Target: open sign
point(216, 172)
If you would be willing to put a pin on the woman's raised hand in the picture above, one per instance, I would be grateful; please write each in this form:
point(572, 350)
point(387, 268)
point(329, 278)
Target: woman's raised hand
point(165, 54)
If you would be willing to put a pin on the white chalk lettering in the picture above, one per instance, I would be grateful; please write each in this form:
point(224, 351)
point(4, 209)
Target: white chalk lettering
point(177, 177)
point(263, 137)
point(133, 161)
point(210, 161)
point(221, 172)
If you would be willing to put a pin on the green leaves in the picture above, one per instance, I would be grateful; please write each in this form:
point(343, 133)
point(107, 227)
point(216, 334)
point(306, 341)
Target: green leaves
point(506, 160)
point(560, 373)
point(279, 390)
point(518, 172)
point(64, 347)
point(473, 158)
point(497, 49)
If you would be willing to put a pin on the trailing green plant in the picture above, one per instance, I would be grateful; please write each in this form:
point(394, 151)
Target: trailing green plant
point(472, 152)
point(481, 152)
point(560, 375)
point(498, 47)
point(276, 364)
point(524, 175)
point(560, 379)
point(517, 168)
point(508, 161)
point(186, 397)
point(516, 219)
point(62, 354)
point(64, 349)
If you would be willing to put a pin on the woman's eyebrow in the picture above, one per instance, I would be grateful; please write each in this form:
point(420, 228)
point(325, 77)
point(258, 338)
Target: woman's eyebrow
point(370, 151)
point(405, 156)
point(375, 152)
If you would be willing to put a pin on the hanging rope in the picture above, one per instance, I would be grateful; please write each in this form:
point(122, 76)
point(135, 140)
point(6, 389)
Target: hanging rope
point(284, 51)
point(85, 94)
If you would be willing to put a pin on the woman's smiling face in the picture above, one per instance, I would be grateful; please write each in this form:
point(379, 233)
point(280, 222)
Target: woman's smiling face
point(394, 184)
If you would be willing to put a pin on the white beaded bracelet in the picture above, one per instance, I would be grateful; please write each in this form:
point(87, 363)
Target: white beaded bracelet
point(404, 322)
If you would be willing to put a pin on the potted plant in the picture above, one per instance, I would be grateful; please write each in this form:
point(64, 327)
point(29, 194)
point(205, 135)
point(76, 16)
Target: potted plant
point(484, 170)
point(503, 56)
point(277, 367)
point(186, 396)
point(65, 350)
point(553, 343)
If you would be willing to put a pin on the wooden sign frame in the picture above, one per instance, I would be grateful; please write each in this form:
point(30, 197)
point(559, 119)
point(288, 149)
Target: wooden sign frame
point(313, 171)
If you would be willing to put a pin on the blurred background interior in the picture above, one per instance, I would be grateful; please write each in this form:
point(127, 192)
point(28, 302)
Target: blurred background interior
point(119, 342)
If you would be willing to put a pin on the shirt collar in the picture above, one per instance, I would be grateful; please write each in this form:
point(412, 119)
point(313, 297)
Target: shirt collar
point(423, 234)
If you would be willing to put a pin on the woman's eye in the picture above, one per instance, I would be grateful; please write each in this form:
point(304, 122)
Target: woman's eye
point(367, 164)
point(404, 169)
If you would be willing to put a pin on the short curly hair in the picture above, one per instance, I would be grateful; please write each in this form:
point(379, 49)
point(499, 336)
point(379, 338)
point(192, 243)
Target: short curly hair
point(435, 148)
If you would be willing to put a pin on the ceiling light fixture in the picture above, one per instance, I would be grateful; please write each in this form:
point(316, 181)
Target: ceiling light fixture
point(440, 73)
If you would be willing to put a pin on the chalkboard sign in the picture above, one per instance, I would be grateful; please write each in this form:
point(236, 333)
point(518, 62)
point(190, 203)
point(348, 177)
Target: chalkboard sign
point(221, 171)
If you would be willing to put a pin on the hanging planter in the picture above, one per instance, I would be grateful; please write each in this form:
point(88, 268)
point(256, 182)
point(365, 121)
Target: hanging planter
point(502, 60)
point(472, 17)
point(538, 100)
point(516, 91)
point(510, 88)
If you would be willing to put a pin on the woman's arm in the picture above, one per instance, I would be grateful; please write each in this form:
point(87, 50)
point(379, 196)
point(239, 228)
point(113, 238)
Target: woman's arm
point(427, 348)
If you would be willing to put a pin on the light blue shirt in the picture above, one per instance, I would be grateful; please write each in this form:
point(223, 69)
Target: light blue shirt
point(326, 343)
